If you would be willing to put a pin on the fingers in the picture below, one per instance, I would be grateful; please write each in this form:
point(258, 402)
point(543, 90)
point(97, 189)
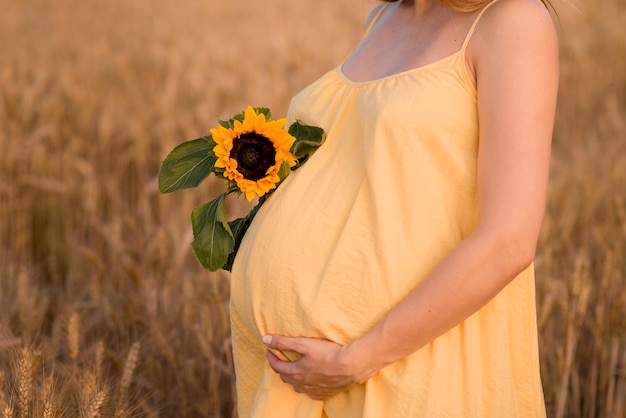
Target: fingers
point(284, 343)
point(286, 348)
point(278, 364)
point(311, 367)
point(279, 354)
point(289, 374)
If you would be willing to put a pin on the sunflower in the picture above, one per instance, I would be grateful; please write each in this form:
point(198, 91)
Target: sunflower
point(252, 152)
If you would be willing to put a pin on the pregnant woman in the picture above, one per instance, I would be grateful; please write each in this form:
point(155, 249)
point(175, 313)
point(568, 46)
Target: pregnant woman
point(391, 275)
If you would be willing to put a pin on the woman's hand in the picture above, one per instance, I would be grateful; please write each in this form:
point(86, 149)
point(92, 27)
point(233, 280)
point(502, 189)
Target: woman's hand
point(323, 370)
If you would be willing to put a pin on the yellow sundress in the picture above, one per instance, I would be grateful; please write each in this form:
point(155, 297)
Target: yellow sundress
point(358, 226)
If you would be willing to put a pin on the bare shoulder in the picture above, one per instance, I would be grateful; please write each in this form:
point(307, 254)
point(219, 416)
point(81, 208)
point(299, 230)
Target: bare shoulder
point(516, 19)
point(510, 30)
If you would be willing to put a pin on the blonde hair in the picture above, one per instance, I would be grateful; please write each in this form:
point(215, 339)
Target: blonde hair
point(470, 5)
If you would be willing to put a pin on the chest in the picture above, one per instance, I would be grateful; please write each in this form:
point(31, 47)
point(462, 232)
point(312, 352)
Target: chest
point(397, 42)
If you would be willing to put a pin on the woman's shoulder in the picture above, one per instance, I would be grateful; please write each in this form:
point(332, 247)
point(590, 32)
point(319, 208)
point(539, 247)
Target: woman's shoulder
point(510, 26)
point(516, 17)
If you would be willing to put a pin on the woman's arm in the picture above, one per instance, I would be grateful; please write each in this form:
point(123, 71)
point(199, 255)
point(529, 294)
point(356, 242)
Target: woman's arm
point(517, 74)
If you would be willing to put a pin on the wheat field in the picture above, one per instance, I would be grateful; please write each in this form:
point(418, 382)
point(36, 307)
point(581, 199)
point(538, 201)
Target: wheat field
point(104, 311)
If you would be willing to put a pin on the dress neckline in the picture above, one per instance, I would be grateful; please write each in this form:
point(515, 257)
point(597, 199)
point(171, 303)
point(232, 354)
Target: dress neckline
point(460, 52)
point(348, 80)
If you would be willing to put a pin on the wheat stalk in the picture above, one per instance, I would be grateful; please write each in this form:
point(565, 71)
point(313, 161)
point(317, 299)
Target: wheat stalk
point(99, 359)
point(90, 388)
point(127, 374)
point(7, 411)
point(25, 385)
point(129, 366)
point(72, 337)
point(164, 346)
point(580, 295)
point(96, 404)
point(620, 388)
point(50, 408)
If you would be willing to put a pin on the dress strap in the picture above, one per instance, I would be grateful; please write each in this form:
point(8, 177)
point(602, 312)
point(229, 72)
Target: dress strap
point(379, 12)
point(468, 37)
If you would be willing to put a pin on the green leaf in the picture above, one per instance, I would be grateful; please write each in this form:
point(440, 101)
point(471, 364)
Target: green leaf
point(265, 111)
point(187, 165)
point(213, 240)
point(239, 227)
point(229, 124)
point(284, 171)
point(308, 139)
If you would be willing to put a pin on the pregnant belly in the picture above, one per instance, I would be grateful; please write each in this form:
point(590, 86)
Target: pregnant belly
point(327, 258)
point(315, 276)
point(338, 304)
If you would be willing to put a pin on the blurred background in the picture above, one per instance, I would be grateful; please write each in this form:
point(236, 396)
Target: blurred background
point(104, 311)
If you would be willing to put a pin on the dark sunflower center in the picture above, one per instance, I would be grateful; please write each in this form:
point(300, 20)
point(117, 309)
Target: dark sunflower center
point(255, 154)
